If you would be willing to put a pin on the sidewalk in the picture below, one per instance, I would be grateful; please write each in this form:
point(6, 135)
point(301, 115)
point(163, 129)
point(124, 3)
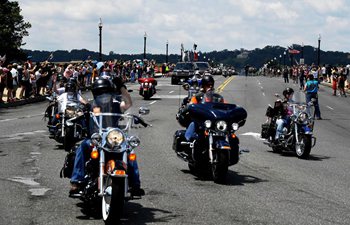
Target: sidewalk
point(347, 90)
point(6, 104)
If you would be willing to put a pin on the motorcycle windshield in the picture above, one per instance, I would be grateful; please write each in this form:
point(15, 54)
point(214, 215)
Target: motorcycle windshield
point(216, 111)
point(105, 103)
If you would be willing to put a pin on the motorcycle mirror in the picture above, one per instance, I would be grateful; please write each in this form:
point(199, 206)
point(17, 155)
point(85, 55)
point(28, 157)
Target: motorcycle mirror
point(143, 110)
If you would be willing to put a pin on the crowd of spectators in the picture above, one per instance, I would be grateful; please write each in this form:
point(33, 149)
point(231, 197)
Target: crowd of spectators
point(38, 79)
point(337, 76)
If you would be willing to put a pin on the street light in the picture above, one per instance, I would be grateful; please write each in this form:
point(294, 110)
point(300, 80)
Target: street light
point(100, 28)
point(280, 60)
point(284, 58)
point(318, 50)
point(302, 54)
point(166, 53)
point(144, 45)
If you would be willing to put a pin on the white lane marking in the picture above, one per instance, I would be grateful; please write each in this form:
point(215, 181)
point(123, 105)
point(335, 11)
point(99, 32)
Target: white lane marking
point(263, 93)
point(18, 135)
point(171, 92)
point(39, 191)
point(329, 107)
point(170, 96)
point(257, 136)
point(152, 102)
point(22, 117)
point(24, 180)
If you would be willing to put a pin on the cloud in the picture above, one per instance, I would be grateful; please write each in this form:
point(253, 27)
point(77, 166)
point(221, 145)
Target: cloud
point(213, 25)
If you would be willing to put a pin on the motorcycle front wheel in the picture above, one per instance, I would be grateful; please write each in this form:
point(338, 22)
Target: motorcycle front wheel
point(304, 148)
point(113, 201)
point(220, 168)
point(68, 139)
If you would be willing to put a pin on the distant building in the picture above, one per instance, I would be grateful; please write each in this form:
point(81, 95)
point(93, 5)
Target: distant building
point(243, 55)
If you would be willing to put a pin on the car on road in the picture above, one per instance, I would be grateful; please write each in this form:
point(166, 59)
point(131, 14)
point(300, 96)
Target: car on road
point(202, 67)
point(182, 70)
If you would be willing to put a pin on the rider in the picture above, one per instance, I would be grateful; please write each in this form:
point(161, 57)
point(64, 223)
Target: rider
point(104, 93)
point(286, 112)
point(207, 85)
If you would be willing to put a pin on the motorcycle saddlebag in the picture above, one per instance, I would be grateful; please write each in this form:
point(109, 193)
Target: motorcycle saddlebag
point(266, 130)
point(179, 136)
point(68, 164)
point(270, 112)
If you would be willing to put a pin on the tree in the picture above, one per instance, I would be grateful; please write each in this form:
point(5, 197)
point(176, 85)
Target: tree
point(12, 30)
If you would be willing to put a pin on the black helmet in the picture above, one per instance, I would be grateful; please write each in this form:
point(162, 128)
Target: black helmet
point(288, 91)
point(71, 86)
point(208, 80)
point(101, 86)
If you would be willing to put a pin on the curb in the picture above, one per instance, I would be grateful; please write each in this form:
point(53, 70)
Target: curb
point(23, 102)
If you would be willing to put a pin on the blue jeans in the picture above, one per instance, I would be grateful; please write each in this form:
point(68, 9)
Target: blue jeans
point(81, 154)
point(308, 97)
point(281, 123)
point(191, 131)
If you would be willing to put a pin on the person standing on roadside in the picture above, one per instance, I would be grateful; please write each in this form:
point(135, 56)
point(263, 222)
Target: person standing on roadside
point(341, 84)
point(311, 89)
point(334, 78)
point(285, 75)
point(301, 78)
point(15, 81)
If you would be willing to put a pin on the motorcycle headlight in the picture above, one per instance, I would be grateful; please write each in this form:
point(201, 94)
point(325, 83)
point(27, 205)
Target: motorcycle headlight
point(69, 113)
point(221, 125)
point(146, 84)
point(235, 126)
point(303, 117)
point(96, 139)
point(207, 124)
point(115, 138)
point(134, 141)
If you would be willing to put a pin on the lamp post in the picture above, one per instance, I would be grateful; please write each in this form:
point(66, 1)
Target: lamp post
point(318, 50)
point(302, 54)
point(166, 52)
point(284, 58)
point(144, 45)
point(100, 35)
point(280, 61)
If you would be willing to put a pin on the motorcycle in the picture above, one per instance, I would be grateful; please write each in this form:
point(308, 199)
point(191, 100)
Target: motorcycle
point(192, 87)
point(50, 111)
point(71, 125)
point(147, 87)
point(107, 174)
point(217, 146)
point(297, 136)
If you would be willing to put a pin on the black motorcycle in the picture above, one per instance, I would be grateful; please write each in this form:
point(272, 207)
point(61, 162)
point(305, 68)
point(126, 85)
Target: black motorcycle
point(297, 136)
point(107, 172)
point(217, 146)
point(70, 125)
point(51, 111)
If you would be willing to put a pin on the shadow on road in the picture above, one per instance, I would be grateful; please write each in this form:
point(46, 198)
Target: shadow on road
point(233, 178)
point(134, 213)
point(311, 157)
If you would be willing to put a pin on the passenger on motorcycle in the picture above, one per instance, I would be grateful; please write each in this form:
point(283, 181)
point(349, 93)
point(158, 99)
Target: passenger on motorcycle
point(207, 85)
point(104, 93)
point(285, 113)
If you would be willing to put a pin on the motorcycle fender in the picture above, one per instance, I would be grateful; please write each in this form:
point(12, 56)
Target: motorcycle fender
point(222, 145)
point(120, 170)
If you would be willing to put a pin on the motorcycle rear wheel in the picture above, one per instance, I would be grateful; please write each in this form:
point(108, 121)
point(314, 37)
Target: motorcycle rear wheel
point(219, 169)
point(113, 202)
point(303, 150)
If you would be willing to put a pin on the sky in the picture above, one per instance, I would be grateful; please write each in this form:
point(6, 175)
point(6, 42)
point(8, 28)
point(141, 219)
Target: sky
point(211, 24)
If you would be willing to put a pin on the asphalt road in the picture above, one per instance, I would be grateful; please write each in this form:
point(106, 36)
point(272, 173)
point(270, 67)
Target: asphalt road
point(263, 188)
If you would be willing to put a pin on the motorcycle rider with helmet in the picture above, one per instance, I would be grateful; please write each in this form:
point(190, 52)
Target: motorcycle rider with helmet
point(285, 113)
point(207, 86)
point(105, 100)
